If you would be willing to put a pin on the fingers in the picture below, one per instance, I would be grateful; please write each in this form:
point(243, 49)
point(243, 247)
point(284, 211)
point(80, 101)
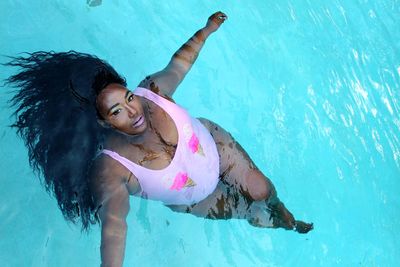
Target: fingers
point(215, 21)
point(218, 17)
point(221, 16)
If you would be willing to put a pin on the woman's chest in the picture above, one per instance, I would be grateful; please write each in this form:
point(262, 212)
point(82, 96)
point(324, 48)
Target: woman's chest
point(158, 148)
point(156, 156)
point(162, 125)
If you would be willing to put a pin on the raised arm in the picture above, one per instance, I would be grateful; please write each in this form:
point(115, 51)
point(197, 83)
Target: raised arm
point(168, 79)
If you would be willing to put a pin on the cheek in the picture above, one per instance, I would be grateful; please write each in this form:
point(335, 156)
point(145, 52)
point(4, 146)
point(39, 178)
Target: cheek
point(120, 121)
point(116, 123)
point(138, 104)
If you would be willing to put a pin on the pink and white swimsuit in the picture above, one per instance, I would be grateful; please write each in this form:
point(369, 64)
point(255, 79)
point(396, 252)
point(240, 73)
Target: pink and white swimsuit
point(192, 174)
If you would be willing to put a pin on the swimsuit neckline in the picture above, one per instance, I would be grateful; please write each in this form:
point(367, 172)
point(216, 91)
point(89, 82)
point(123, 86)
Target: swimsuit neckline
point(177, 129)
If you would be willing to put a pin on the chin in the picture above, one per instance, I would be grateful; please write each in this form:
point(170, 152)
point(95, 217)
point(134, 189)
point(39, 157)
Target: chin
point(137, 131)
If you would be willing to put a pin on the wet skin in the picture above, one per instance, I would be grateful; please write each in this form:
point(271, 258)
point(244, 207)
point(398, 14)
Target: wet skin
point(122, 110)
point(243, 191)
point(146, 134)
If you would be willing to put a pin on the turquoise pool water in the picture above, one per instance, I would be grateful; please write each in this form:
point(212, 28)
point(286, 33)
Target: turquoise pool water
point(309, 88)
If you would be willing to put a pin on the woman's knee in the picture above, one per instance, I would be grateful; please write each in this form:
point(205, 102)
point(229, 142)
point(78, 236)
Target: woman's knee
point(258, 186)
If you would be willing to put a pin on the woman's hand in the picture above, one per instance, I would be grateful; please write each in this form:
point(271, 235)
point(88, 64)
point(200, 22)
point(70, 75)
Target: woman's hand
point(172, 75)
point(215, 21)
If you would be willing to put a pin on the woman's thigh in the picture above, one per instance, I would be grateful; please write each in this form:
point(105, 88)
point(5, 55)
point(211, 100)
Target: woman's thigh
point(222, 203)
point(237, 170)
point(241, 183)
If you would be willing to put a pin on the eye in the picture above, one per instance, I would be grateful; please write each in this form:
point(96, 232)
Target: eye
point(116, 112)
point(130, 97)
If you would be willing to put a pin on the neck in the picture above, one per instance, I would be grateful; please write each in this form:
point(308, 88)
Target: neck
point(117, 138)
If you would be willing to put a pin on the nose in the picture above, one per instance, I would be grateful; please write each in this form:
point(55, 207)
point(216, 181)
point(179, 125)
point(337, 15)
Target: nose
point(131, 111)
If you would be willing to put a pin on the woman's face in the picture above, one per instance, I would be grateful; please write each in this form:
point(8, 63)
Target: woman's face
point(121, 109)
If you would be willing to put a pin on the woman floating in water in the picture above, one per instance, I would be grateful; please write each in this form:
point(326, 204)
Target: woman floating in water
point(96, 142)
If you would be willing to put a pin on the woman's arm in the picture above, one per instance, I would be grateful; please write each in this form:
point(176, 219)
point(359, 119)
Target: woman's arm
point(113, 215)
point(109, 184)
point(168, 79)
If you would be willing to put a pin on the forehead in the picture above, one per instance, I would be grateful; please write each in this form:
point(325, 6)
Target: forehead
point(111, 92)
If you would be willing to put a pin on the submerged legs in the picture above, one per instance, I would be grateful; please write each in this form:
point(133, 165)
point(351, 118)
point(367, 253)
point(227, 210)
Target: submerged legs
point(243, 192)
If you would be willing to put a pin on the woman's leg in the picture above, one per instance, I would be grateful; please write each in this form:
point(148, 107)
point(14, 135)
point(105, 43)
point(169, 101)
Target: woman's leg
point(243, 191)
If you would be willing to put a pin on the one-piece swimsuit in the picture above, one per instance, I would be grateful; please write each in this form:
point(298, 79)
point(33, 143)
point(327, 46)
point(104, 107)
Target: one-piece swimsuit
point(193, 172)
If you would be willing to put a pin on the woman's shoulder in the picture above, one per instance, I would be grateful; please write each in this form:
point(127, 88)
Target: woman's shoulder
point(107, 168)
point(106, 175)
point(145, 83)
point(152, 85)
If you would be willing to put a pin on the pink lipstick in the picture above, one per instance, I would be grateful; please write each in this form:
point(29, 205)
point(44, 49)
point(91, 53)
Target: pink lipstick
point(138, 122)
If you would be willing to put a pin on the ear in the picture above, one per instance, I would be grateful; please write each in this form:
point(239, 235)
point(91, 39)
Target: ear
point(104, 124)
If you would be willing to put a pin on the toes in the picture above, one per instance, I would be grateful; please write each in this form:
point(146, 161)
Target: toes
point(303, 228)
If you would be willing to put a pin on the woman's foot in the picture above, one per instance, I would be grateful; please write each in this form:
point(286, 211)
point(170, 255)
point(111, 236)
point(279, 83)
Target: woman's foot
point(282, 217)
point(302, 227)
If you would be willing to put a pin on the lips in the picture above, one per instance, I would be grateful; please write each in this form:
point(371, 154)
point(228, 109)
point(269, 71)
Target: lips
point(139, 121)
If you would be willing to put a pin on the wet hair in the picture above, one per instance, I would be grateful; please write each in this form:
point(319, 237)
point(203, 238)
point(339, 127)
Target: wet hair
point(56, 116)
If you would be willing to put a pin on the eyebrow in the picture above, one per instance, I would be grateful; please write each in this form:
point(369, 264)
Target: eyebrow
point(127, 93)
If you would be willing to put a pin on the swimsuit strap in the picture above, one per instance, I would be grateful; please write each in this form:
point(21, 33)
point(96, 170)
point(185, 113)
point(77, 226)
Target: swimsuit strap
point(153, 97)
point(124, 161)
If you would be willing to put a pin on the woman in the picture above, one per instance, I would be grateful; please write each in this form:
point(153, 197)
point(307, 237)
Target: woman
point(95, 143)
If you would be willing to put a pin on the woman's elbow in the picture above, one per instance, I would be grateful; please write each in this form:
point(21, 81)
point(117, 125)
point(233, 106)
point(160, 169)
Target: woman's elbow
point(112, 227)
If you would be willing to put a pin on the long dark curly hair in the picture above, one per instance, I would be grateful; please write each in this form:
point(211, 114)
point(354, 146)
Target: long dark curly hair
point(57, 119)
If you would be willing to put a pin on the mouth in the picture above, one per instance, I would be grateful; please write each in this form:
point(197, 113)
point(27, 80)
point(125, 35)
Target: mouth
point(138, 122)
